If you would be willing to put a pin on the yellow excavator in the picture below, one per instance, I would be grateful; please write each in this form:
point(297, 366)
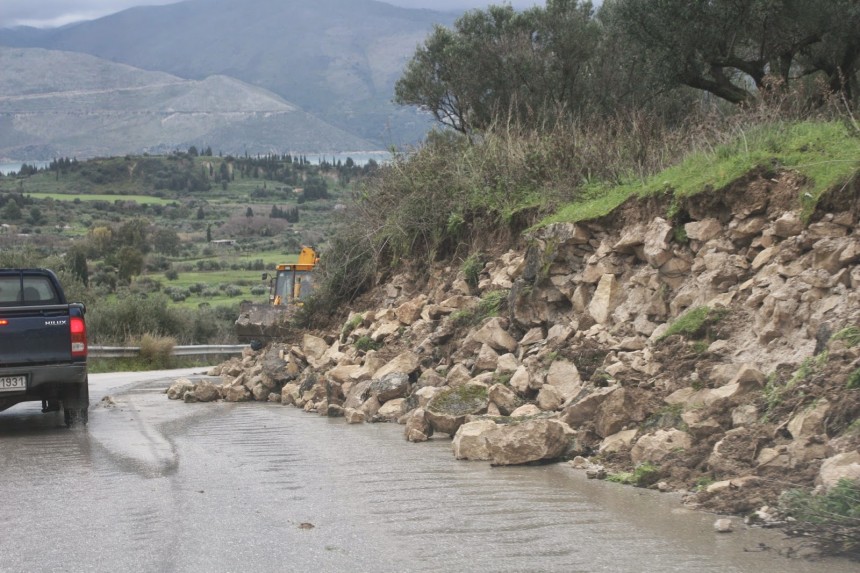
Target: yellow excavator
point(288, 287)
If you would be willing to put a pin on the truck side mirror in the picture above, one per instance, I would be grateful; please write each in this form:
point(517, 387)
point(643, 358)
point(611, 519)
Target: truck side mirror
point(264, 277)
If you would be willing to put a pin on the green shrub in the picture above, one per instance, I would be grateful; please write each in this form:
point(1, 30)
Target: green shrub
point(851, 336)
point(157, 351)
point(695, 323)
point(472, 267)
point(853, 382)
point(366, 343)
point(350, 325)
point(643, 475)
point(832, 519)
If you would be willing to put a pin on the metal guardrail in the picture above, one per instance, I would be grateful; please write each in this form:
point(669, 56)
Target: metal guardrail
point(132, 351)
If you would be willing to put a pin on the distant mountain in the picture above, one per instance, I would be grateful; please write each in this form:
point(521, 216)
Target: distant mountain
point(74, 105)
point(336, 59)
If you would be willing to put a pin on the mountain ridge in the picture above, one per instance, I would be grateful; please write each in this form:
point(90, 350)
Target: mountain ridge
point(97, 108)
point(336, 59)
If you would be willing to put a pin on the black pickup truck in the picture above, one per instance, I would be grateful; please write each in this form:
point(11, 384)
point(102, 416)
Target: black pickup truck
point(43, 345)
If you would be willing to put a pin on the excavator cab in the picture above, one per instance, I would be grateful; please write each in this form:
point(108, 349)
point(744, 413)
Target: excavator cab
point(294, 283)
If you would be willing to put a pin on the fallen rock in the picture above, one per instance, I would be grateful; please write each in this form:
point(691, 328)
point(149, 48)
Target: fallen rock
point(657, 446)
point(809, 422)
point(470, 441)
point(354, 416)
point(530, 441)
point(392, 410)
point(390, 386)
point(841, 466)
point(526, 410)
point(617, 442)
point(178, 389)
point(239, 394)
point(418, 429)
point(493, 333)
point(206, 391)
point(564, 377)
point(505, 399)
point(447, 411)
point(405, 362)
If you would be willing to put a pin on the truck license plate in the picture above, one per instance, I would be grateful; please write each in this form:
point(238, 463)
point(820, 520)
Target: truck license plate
point(13, 383)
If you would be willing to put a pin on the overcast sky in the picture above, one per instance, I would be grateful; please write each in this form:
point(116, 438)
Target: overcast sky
point(49, 13)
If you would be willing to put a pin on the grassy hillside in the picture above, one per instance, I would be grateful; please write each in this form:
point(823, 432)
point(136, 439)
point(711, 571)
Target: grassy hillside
point(824, 154)
point(458, 199)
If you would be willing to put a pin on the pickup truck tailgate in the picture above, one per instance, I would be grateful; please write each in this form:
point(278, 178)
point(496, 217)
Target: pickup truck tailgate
point(35, 337)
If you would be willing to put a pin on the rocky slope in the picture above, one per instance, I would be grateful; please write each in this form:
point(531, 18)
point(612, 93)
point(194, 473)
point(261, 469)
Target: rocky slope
point(719, 356)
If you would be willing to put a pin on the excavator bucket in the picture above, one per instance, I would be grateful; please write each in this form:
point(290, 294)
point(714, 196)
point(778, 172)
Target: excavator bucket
point(262, 322)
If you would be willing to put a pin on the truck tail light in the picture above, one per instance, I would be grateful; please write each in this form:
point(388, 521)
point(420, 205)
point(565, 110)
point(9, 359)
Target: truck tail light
point(78, 331)
point(3, 322)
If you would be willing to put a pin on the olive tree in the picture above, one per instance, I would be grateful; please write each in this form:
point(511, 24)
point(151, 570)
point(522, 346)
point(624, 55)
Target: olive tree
point(500, 63)
point(734, 49)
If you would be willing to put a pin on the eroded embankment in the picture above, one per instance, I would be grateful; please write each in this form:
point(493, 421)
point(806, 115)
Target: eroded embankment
point(716, 352)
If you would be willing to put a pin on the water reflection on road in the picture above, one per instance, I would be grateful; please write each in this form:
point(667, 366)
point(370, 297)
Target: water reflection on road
point(156, 485)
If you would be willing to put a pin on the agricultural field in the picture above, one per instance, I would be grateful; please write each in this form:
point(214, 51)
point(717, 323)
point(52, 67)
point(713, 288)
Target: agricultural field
point(196, 231)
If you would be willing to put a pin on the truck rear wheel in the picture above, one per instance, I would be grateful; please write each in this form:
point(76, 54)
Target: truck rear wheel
point(73, 416)
point(76, 405)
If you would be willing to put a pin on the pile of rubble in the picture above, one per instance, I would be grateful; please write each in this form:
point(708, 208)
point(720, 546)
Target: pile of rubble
point(720, 356)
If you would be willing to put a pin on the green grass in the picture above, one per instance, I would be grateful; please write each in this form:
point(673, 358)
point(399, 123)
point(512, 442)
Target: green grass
point(853, 382)
point(141, 199)
point(694, 322)
point(825, 153)
point(851, 336)
point(642, 476)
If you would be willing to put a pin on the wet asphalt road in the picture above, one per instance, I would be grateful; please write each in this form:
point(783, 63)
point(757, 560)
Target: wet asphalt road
point(158, 485)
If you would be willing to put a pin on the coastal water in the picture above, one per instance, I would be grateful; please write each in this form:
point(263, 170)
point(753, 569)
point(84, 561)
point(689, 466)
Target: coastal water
point(8, 167)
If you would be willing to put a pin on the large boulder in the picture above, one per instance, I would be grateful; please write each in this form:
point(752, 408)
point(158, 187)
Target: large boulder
point(314, 348)
point(521, 380)
point(405, 362)
point(470, 441)
point(809, 422)
point(178, 389)
point(505, 399)
point(418, 429)
point(657, 446)
point(238, 394)
point(841, 466)
point(585, 409)
point(493, 334)
point(617, 442)
point(619, 409)
point(354, 416)
point(530, 441)
point(605, 296)
point(392, 410)
point(564, 376)
point(390, 386)
point(549, 398)
point(410, 311)
point(447, 411)
point(206, 391)
point(344, 373)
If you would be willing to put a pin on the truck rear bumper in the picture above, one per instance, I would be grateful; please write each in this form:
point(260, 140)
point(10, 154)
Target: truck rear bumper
point(46, 382)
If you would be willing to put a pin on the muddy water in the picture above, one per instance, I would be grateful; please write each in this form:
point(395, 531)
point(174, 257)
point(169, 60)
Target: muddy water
point(156, 485)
